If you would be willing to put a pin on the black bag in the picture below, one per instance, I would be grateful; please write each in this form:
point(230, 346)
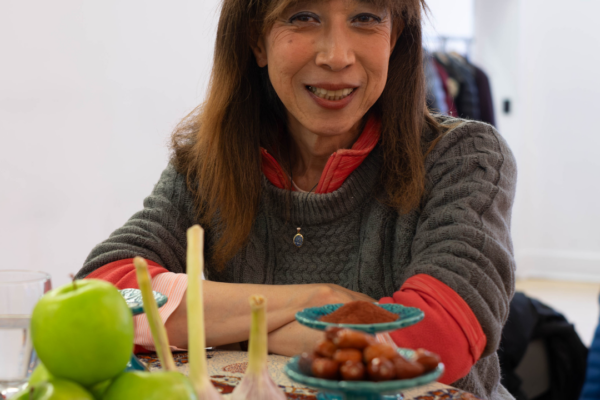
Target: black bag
point(530, 321)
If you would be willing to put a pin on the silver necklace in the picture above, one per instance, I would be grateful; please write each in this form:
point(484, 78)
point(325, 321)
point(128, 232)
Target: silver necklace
point(298, 239)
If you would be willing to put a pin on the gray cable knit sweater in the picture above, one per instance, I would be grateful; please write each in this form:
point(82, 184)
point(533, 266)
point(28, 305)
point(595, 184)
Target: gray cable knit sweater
point(460, 235)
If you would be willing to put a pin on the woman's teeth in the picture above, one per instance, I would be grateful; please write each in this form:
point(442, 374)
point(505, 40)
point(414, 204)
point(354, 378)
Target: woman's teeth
point(330, 94)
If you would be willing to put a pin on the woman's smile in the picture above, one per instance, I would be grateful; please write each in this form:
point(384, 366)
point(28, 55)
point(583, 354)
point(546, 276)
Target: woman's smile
point(332, 99)
point(331, 94)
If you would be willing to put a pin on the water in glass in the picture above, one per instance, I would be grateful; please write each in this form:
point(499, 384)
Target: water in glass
point(19, 291)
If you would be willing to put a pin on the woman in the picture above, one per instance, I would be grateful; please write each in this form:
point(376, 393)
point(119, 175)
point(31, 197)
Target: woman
point(321, 177)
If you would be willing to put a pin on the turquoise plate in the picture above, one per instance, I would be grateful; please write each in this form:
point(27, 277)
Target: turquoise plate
point(363, 390)
point(407, 316)
point(133, 297)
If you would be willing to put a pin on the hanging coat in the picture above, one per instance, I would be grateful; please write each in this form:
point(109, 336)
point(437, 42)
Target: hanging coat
point(486, 103)
point(467, 99)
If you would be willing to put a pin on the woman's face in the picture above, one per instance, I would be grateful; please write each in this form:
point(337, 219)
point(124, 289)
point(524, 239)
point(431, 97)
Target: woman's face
point(328, 61)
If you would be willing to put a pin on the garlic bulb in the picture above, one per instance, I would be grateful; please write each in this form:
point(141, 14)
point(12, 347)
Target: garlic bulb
point(257, 383)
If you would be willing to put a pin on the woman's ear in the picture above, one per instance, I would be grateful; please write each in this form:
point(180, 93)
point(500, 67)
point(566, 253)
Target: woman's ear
point(260, 52)
point(397, 30)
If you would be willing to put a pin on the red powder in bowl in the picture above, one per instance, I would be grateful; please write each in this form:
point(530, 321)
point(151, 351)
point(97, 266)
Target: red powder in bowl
point(359, 312)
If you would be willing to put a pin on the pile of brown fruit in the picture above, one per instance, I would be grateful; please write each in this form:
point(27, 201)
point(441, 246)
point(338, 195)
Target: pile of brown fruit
point(356, 356)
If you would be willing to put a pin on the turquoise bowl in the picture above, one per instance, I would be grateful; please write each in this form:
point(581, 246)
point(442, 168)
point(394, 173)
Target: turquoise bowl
point(133, 297)
point(361, 390)
point(135, 364)
point(407, 316)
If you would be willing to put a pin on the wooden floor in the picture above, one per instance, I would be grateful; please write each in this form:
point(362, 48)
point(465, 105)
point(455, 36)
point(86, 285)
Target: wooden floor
point(577, 301)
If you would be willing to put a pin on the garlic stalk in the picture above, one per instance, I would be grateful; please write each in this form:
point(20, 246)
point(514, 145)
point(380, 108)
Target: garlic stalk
point(195, 314)
point(157, 328)
point(257, 383)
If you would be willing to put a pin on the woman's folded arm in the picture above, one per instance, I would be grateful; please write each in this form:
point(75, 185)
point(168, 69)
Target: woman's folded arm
point(462, 241)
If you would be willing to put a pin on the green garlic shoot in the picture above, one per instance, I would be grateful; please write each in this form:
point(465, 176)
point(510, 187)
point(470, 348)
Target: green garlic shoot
point(195, 315)
point(157, 328)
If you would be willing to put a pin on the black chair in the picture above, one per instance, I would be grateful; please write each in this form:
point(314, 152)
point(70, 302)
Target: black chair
point(541, 355)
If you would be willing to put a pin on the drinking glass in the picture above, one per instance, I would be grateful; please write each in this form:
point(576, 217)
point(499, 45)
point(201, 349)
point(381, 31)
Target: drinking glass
point(19, 292)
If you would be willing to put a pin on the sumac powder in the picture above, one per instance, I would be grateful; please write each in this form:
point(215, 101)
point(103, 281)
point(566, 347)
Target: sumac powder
point(359, 312)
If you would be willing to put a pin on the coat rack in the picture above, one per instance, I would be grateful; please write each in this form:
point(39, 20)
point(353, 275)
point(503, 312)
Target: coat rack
point(440, 43)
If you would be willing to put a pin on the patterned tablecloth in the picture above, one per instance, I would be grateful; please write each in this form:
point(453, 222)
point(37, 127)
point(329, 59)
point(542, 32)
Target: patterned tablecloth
point(226, 369)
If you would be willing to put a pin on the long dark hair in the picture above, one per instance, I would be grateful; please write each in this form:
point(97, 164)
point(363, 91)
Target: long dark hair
point(217, 146)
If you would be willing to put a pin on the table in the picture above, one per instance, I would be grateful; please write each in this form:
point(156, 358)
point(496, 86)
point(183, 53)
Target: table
point(226, 368)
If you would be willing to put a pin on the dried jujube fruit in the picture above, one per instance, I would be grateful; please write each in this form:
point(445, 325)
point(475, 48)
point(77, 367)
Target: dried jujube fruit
point(352, 371)
point(406, 369)
point(343, 355)
point(305, 363)
point(427, 359)
point(356, 356)
point(347, 338)
point(326, 348)
point(381, 369)
point(331, 332)
point(379, 350)
point(325, 368)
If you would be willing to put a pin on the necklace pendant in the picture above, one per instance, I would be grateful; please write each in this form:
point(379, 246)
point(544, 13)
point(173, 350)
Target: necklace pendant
point(298, 239)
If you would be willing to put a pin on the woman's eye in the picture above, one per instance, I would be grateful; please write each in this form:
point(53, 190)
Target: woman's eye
point(303, 18)
point(367, 19)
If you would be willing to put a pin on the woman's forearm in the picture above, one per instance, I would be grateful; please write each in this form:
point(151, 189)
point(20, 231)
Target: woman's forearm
point(227, 312)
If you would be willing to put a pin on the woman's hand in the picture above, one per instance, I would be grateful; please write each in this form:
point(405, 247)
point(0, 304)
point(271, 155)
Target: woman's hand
point(293, 338)
point(332, 294)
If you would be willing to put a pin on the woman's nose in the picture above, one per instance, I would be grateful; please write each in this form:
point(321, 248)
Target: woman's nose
point(335, 48)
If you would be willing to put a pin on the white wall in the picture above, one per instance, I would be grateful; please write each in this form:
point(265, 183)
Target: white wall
point(544, 56)
point(450, 19)
point(89, 93)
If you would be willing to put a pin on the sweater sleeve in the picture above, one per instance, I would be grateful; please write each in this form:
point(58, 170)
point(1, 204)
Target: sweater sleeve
point(462, 237)
point(156, 233)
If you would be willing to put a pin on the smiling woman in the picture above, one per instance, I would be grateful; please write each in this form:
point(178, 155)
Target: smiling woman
point(321, 177)
point(299, 46)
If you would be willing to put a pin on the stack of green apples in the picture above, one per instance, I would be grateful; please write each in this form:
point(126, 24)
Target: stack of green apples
point(83, 335)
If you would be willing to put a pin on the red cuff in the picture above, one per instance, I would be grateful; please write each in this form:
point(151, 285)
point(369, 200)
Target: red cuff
point(449, 328)
point(122, 274)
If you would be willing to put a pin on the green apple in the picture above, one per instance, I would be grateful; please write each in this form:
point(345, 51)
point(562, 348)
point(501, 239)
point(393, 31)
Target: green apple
point(161, 385)
point(99, 388)
point(39, 374)
point(54, 389)
point(83, 331)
